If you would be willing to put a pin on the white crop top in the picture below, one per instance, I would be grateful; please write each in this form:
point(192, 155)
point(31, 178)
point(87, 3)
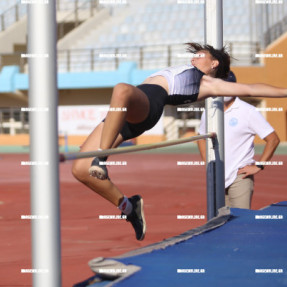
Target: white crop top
point(183, 83)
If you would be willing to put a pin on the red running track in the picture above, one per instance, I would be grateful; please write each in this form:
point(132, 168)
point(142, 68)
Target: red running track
point(168, 190)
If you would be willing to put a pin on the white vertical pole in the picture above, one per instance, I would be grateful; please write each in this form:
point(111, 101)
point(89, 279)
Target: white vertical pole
point(43, 101)
point(214, 116)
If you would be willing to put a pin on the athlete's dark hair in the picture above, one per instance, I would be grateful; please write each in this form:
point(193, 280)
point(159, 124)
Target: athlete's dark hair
point(219, 54)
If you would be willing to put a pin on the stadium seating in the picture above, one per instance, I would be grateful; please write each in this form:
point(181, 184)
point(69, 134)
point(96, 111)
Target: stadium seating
point(149, 32)
point(159, 23)
point(6, 4)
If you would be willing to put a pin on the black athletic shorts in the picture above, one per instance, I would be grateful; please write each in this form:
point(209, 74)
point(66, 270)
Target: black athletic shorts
point(157, 97)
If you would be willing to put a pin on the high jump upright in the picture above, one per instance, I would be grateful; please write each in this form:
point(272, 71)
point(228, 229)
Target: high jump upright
point(214, 116)
point(43, 102)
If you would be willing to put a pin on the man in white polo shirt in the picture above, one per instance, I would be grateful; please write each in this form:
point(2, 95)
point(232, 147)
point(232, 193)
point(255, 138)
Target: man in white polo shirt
point(242, 123)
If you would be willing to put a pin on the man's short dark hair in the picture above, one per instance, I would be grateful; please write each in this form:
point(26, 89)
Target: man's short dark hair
point(231, 77)
point(219, 54)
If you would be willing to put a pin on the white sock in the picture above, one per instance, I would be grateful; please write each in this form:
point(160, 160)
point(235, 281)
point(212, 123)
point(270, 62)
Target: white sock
point(126, 206)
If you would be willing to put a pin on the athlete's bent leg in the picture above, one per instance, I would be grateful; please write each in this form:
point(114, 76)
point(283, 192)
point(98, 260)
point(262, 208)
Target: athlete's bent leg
point(134, 106)
point(132, 207)
point(80, 169)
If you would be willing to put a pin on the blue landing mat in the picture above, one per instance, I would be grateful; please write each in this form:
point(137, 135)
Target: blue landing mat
point(250, 249)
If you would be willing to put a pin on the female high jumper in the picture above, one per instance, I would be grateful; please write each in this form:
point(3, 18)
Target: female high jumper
point(141, 108)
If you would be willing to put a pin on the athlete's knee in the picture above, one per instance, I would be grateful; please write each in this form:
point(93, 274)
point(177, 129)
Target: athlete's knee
point(80, 171)
point(123, 88)
point(122, 92)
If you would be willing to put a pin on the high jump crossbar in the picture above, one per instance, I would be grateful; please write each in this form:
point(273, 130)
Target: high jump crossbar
point(113, 151)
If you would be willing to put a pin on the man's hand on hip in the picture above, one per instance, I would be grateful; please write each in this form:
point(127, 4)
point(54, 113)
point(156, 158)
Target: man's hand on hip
point(249, 170)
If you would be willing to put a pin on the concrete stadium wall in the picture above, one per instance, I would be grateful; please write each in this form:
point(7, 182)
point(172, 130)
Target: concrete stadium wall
point(15, 34)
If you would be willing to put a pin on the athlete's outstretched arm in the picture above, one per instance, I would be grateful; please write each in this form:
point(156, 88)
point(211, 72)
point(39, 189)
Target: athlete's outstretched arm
point(211, 87)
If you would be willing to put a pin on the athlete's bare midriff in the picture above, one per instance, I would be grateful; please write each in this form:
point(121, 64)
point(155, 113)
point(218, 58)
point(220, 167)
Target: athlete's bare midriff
point(157, 80)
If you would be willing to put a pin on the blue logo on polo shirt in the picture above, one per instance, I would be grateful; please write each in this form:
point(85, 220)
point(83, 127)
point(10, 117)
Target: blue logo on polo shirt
point(233, 122)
